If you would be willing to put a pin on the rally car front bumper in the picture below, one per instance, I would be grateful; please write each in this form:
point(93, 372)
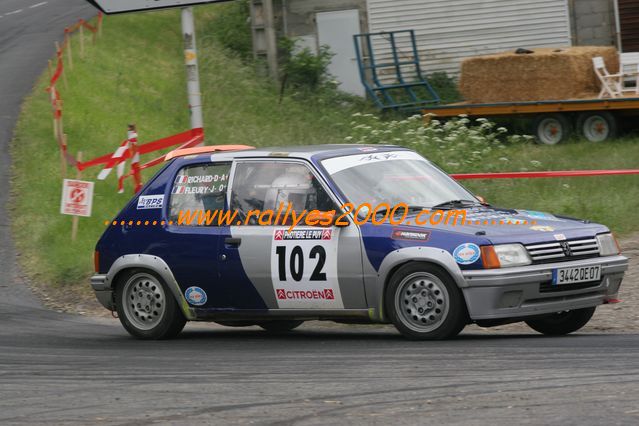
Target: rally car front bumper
point(527, 290)
point(103, 291)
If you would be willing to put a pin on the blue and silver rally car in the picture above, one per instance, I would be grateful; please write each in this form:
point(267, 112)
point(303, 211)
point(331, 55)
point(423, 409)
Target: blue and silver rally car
point(498, 266)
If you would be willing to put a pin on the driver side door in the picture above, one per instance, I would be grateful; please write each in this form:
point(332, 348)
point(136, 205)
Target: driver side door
point(306, 268)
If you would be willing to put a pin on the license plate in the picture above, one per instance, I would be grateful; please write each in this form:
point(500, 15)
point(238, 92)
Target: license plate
point(578, 274)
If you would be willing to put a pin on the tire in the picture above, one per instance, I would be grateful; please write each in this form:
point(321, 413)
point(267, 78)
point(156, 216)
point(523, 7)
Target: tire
point(551, 129)
point(146, 307)
point(597, 126)
point(280, 326)
point(562, 323)
point(424, 303)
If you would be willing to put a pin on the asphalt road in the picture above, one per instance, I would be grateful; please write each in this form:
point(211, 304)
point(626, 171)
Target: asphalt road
point(58, 368)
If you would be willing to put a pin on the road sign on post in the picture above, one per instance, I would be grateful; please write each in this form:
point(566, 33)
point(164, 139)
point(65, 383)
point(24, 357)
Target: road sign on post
point(77, 198)
point(123, 6)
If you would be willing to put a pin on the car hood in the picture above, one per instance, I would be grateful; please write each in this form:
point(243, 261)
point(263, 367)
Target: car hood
point(541, 226)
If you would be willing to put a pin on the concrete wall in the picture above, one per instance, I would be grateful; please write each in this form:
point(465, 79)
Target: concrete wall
point(297, 17)
point(593, 22)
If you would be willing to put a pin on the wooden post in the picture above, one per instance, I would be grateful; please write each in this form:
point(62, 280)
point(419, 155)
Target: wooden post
point(51, 100)
point(55, 128)
point(60, 123)
point(53, 108)
point(63, 157)
point(76, 219)
point(67, 43)
point(59, 56)
point(82, 40)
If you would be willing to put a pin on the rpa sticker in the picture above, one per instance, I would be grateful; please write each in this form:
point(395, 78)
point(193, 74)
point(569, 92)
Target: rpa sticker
point(466, 254)
point(195, 296)
point(150, 202)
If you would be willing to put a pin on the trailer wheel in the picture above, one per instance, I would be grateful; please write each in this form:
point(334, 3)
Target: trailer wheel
point(597, 126)
point(551, 129)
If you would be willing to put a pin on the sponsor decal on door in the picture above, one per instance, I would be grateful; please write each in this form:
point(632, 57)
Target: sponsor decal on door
point(304, 269)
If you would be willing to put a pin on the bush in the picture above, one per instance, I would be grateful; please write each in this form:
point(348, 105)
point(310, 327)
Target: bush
point(445, 86)
point(231, 27)
point(304, 69)
point(457, 144)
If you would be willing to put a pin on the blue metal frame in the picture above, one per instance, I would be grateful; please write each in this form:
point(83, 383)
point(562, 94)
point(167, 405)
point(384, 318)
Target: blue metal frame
point(380, 92)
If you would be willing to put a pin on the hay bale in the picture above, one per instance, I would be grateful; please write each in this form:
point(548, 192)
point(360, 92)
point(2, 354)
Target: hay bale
point(547, 74)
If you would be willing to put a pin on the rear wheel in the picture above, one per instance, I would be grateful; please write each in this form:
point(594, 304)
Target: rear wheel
point(424, 303)
point(562, 323)
point(146, 307)
point(280, 326)
point(597, 126)
point(551, 129)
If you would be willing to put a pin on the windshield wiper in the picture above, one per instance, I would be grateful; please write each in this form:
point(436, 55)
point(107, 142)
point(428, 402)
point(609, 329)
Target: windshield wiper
point(456, 203)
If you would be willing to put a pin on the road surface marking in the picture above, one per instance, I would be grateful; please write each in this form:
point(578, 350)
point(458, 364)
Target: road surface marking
point(13, 13)
point(38, 5)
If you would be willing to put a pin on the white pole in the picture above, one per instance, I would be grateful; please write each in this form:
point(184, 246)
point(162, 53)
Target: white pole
point(618, 27)
point(192, 72)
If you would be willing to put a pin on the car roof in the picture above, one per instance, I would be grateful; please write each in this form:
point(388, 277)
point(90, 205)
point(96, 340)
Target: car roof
point(304, 151)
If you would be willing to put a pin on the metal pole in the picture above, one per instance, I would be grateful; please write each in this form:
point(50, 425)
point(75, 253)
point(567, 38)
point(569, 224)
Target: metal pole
point(192, 72)
point(618, 34)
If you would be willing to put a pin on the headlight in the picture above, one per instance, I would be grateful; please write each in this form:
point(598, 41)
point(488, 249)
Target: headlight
point(607, 245)
point(505, 256)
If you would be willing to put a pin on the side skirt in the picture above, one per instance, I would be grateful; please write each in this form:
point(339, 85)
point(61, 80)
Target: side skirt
point(283, 314)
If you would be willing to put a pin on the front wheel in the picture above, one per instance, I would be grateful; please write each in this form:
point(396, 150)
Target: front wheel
point(424, 303)
point(562, 323)
point(146, 307)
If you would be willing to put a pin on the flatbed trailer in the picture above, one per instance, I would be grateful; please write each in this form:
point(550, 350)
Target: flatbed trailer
point(553, 121)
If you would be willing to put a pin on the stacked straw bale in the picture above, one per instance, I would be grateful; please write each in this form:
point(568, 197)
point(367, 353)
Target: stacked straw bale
point(546, 74)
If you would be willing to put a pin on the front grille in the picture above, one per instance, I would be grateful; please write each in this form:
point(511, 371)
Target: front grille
point(555, 252)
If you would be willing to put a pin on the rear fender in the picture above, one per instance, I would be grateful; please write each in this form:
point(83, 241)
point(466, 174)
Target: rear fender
point(154, 264)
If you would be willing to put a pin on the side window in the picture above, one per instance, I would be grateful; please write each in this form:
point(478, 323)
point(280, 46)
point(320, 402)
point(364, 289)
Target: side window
point(199, 188)
point(267, 185)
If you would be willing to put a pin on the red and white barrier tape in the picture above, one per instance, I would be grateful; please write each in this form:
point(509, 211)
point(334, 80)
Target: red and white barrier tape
point(115, 160)
point(191, 143)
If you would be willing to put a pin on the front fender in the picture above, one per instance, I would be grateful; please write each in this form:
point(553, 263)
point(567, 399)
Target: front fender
point(157, 265)
point(399, 257)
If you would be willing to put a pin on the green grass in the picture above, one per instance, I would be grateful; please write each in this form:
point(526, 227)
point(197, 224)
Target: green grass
point(135, 74)
point(613, 201)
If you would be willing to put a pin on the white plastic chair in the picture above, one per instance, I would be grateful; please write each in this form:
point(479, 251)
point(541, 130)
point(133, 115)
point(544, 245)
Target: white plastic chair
point(630, 69)
point(611, 84)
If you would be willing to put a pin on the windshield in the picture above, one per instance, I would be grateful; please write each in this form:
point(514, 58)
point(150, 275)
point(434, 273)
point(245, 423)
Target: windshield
point(393, 177)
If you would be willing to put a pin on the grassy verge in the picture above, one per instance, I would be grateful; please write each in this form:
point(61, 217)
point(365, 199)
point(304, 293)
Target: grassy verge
point(613, 201)
point(135, 74)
